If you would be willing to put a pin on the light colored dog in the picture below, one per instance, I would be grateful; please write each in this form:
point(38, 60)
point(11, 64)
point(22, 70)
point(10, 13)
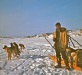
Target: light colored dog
point(9, 51)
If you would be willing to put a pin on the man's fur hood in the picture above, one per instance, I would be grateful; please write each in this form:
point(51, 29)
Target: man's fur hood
point(62, 29)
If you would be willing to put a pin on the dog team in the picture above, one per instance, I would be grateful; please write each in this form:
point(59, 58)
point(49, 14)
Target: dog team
point(14, 50)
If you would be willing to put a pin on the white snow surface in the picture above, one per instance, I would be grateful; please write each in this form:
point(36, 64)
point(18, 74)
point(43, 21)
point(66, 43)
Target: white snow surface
point(34, 59)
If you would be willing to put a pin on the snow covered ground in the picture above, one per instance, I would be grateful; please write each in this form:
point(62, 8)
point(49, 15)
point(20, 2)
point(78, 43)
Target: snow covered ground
point(34, 59)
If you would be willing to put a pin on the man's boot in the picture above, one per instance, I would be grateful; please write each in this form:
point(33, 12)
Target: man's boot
point(59, 63)
point(58, 66)
point(67, 67)
point(67, 64)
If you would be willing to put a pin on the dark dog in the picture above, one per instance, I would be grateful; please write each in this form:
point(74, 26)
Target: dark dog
point(22, 47)
point(17, 51)
point(14, 49)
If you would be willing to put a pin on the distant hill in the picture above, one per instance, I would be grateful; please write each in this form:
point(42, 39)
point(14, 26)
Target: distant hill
point(77, 32)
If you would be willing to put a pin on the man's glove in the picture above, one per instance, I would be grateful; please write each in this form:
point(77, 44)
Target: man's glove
point(54, 39)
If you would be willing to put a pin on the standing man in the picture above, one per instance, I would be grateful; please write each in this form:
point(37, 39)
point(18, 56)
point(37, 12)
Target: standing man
point(60, 39)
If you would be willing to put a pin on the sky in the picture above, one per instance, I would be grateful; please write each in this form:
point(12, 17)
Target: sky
point(30, 17)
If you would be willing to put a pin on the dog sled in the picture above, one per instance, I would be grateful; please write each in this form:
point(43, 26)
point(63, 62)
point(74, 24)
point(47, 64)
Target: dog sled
point(77, 64)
